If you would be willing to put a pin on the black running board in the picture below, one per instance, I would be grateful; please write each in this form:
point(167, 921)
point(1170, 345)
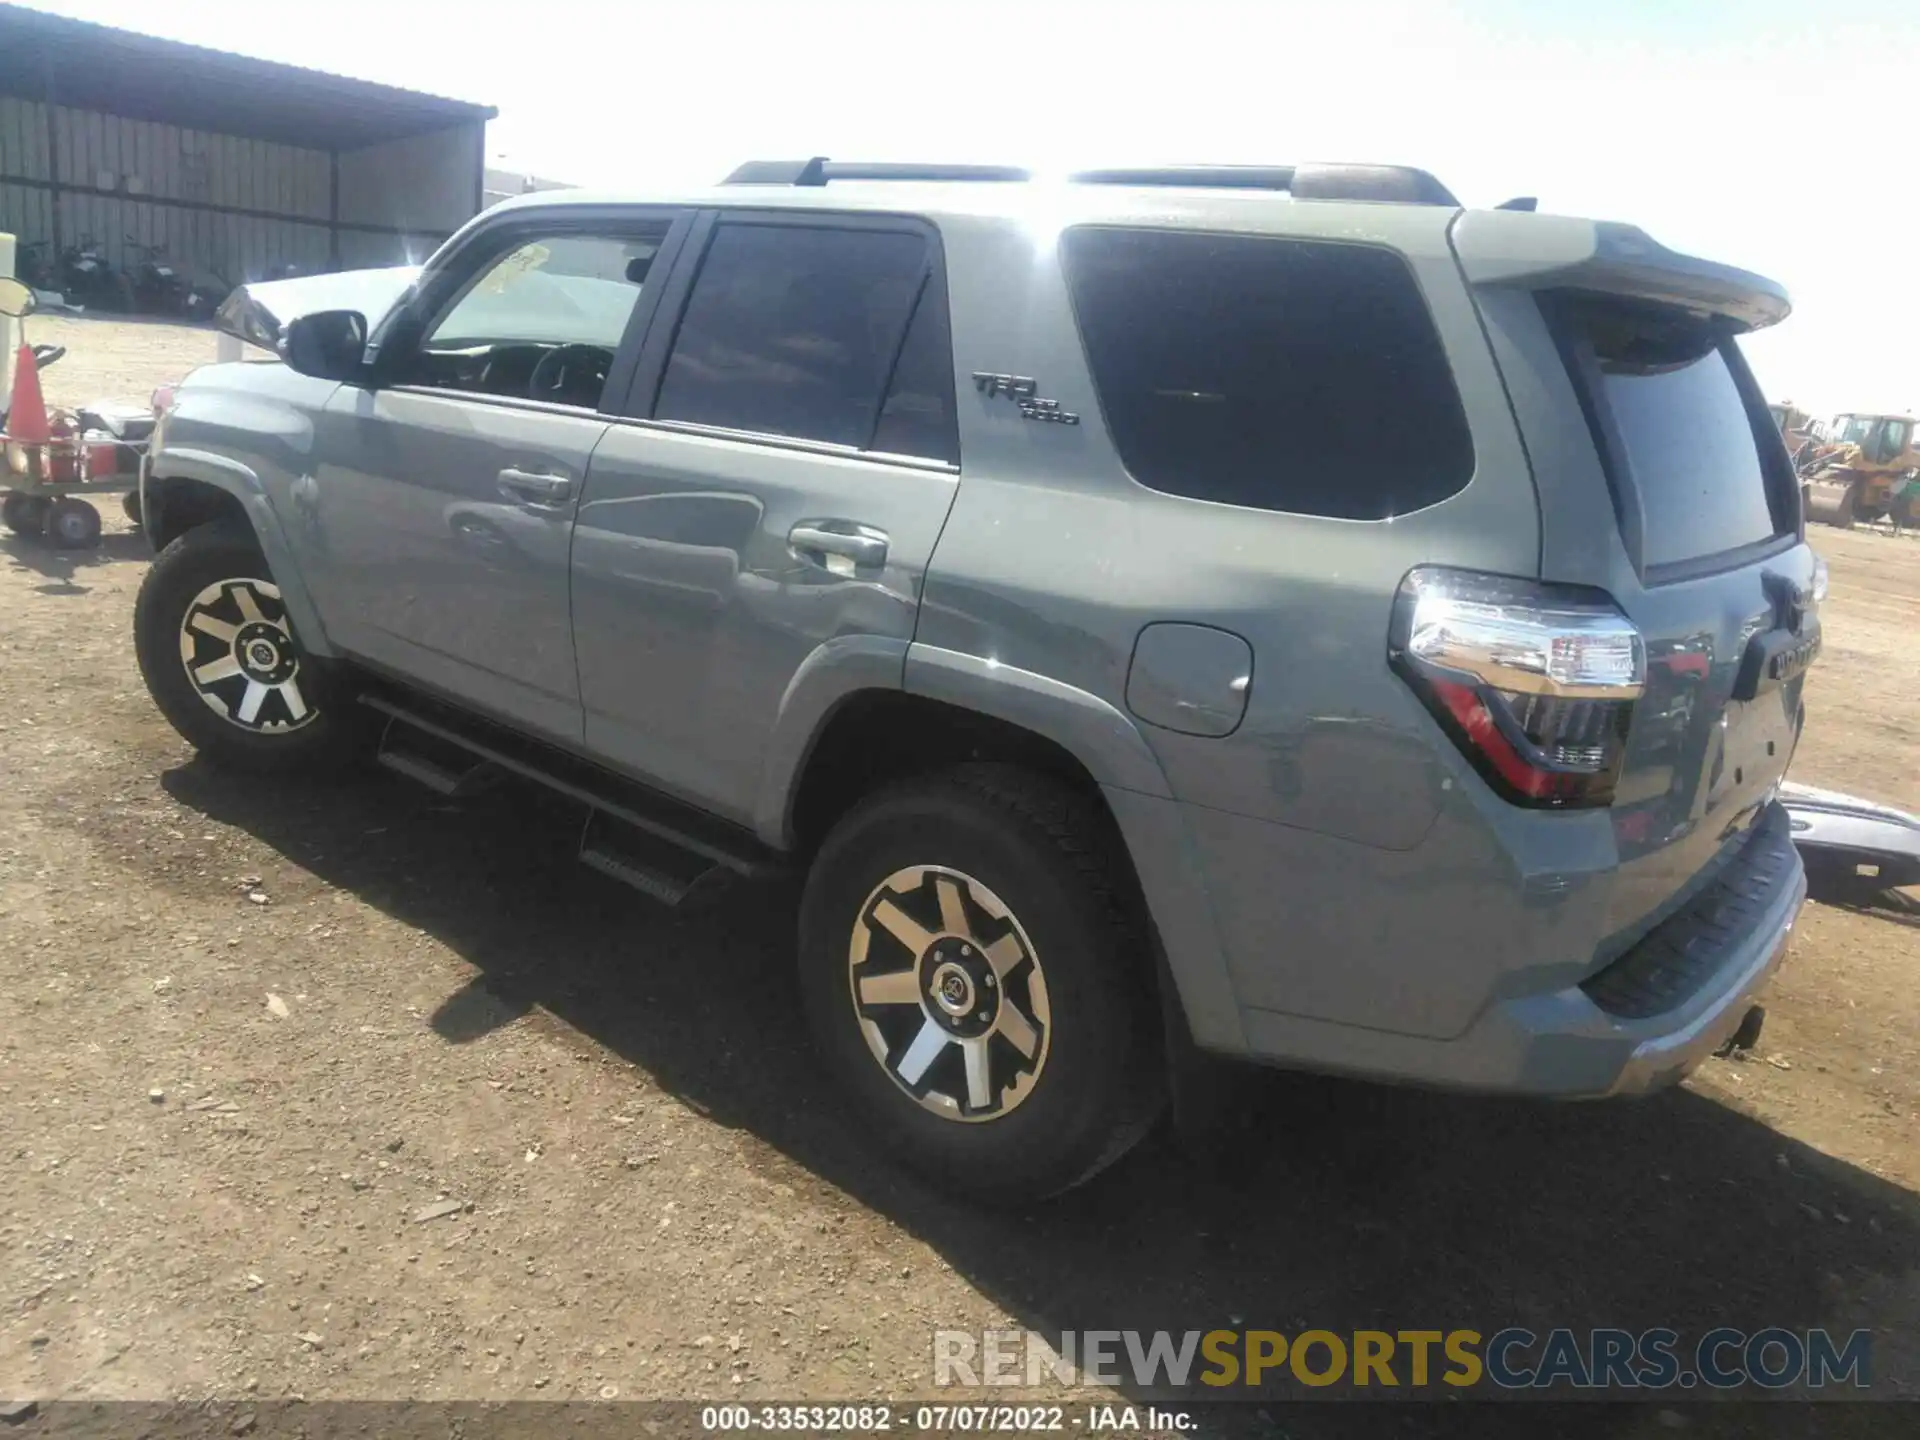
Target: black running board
point(662, 848)
point(442, 766)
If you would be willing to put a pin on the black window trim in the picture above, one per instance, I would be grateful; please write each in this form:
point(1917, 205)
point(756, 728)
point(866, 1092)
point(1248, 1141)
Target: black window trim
point(763, 440)
point(1099, 406)
point(456, 270)
point(1776, 466)
point(670, 307)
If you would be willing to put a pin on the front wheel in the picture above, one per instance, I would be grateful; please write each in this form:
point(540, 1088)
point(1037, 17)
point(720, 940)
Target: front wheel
point(977, 986)
point(220, 659)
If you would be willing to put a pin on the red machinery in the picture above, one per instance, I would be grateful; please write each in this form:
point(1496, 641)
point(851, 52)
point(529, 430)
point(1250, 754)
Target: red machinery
point(52, 458)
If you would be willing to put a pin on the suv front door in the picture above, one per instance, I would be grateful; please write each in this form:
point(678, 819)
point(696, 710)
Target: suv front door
point(442, 504)
point(773, 496)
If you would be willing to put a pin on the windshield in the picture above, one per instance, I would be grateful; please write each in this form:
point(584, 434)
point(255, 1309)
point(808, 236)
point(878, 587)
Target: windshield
point(1854, 429)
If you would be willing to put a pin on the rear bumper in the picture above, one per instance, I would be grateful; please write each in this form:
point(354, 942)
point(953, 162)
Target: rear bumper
point(1638, 1025)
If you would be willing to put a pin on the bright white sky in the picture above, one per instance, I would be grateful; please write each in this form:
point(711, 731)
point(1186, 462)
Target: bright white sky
point(1774, 134)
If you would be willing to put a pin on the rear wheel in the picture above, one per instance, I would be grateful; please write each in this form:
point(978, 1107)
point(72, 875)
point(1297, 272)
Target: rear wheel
point(130, 506)
point(220, 659)
point(24, 514)
point(976, 986)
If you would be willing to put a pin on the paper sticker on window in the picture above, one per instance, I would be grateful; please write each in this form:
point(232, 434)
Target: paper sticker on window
point(516, 267)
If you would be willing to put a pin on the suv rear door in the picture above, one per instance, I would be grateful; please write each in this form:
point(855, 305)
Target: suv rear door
point(1662, 481)
point(786, 460)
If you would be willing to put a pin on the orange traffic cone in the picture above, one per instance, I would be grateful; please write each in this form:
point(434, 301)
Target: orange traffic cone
point(27, 421)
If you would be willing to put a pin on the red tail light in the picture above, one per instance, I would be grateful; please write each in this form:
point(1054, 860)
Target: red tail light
point(1535, 683)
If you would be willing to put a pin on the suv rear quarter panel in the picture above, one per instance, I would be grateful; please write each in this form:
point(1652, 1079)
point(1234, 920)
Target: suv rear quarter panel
point(1352, 862)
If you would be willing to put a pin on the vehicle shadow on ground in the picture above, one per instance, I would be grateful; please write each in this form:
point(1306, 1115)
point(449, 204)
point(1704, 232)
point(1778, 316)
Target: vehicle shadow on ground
point(1353, 1206)
point(1900, 905)
point(59, 568)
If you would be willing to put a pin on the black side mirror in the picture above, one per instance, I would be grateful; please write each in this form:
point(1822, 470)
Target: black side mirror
point(328, 345)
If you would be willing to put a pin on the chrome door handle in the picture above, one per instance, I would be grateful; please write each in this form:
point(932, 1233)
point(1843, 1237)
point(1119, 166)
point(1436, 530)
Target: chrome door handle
point(861, 544)
point(525, 485)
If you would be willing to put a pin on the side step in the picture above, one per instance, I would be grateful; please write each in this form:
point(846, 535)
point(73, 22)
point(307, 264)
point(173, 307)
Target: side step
point(661, 847)
point(443, 767)
point(670, 874)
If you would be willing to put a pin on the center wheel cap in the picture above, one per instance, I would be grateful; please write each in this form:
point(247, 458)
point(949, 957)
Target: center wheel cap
point(962, 992)
point(952, 990)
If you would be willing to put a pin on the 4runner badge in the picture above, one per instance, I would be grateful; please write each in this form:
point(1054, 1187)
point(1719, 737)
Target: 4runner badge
point(1023, 390)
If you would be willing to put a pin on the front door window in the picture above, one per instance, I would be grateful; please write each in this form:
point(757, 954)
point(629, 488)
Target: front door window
point(540, 322)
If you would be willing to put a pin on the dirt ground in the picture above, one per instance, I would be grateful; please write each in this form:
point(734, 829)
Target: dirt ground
point(250, 1033)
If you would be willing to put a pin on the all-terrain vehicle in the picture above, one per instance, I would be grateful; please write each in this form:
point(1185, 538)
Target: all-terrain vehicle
point(1260, 612)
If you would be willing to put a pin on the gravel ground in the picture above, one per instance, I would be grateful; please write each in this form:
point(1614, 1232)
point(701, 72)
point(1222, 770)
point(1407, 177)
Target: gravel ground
point(346, 1092)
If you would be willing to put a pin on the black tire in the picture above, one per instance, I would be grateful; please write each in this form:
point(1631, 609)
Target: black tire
point(316, 729)
point(72, 524)
point(1040, 848)
point(24, 514)
point(130, 506)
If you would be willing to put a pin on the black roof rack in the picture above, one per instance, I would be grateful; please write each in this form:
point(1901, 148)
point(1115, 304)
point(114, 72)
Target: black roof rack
point(819, 170)
point(1400, 184)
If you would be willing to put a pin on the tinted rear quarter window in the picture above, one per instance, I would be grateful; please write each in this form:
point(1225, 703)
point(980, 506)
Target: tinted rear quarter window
point(804, 331)
point(1673, 425)
point(1281, 374)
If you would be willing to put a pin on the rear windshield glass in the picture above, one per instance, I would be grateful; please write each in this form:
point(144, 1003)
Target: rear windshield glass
point(1684, 434)
point(1280, 374)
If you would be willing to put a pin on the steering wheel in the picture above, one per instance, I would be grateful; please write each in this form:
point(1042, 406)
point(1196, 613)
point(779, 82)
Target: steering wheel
point(570, 375)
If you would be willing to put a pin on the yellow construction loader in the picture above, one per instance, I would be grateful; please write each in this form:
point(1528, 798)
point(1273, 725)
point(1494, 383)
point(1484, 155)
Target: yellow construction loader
point(1860, 473)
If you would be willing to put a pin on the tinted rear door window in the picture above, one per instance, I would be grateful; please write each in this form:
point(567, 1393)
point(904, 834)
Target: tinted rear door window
point(918, 416)
point(795, 330)
point(1281, 374)
point(1683, 436)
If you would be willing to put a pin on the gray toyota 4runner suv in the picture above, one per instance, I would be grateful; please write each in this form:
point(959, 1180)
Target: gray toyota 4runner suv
point(1274, 613)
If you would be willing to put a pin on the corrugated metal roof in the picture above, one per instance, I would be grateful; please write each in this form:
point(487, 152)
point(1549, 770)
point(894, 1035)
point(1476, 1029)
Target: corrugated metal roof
point(96, 67)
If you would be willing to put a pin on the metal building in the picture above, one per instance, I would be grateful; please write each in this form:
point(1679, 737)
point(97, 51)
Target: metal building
point(505, 184)
point(230, 165)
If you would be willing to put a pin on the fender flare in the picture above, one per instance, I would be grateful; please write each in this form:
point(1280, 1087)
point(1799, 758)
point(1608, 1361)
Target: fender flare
point(1103, 739)
point(221, 472)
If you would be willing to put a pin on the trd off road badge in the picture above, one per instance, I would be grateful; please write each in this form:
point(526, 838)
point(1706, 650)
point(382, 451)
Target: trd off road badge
point(1023, 390)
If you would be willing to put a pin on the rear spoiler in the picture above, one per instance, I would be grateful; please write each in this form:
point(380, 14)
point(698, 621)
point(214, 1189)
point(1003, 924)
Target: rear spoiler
point(1557, 252)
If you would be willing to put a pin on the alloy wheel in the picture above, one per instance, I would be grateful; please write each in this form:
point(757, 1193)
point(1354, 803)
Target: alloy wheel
point(240, 657)
point(949, 993)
